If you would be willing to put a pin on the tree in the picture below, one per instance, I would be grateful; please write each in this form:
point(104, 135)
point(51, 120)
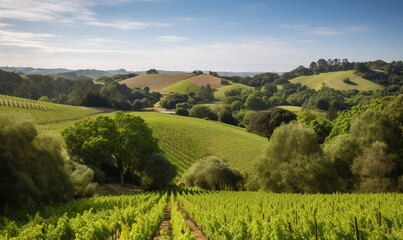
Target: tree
point(157, 172)
point(376, 169)
point(152, 71)
point(201, 111)
point(32, 171)
point(294, 163)
point(225, 116)
point(322, 128)
point(124, 142)
point(264, 122)
point(198, 72)
point(214, 174)
point(314, 67)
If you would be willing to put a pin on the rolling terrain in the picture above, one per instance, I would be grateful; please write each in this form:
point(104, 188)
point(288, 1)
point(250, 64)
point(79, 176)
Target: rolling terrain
point(181, 83)
point(183, 139)
point(335, 80)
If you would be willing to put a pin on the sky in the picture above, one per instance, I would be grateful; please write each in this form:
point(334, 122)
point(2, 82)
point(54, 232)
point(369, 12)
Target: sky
point(185, 35)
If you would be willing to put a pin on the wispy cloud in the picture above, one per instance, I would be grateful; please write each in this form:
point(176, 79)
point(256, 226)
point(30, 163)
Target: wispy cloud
point(186, 19)
point(23, 39)
point(4, 25)
point(45, 11)
point(126, 25)
point(169, 38)
point(325, 31)
point(67, 12)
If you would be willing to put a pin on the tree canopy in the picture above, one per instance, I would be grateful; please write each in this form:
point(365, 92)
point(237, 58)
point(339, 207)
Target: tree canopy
point(32, 170)
point(123, 142)
point(214, 174)
point(264, 122)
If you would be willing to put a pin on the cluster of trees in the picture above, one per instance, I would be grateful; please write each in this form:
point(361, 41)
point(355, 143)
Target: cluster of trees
point(121, 148)
point(33, 169)
point(183, 103)
point(82, 92)
point(361, 151)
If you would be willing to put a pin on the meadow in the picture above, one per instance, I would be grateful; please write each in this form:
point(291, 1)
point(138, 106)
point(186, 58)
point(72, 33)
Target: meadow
point(44, 112)
point(335, 80)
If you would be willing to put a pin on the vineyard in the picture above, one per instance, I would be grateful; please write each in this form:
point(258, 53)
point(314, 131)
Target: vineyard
point(216, 215)
point(44, 112)
point(185, 139)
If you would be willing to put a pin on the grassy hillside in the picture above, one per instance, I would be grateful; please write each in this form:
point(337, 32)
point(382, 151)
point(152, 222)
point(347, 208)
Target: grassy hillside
point(335, 80)
point(220, 93)
point(203, 80)
point(183, 86)
point(156, 82)
point(186, 139)
point(44, 112)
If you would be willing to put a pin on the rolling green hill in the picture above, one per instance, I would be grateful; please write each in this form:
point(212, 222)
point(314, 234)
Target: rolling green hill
point(185, 140)
point(183, 87)
point(156, 82)
point(44, 112)
point(220, 93)
point(335, 80)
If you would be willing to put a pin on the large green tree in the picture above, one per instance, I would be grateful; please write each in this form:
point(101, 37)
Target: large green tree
point(123, 142)
point(294, 162)
point(32, 170)
point(264, 122)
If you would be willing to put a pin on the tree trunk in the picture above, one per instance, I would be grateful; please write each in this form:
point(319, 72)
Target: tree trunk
point(120, 166)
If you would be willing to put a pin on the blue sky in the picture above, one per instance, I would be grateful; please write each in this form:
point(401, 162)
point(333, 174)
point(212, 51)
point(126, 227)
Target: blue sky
point(218, 35)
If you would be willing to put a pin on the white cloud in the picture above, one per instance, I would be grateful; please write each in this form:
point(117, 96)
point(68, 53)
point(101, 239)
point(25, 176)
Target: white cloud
point(67, 12)
point(324, 31)
point(169, 38)
point(2, 25)
point(186, 19)
point(45, 10)
point(23, 39)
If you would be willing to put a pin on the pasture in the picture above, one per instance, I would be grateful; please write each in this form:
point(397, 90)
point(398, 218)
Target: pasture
point(335, 80)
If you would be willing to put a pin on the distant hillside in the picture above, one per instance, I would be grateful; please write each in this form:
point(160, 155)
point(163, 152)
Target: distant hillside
point(155, 82)
point(220, 93)
point(63, 72)
point(184, 86)
point(160, 82)
point(335, 80)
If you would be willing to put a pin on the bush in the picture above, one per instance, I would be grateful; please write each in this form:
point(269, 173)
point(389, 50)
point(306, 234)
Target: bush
point(158, 172)
point(214, 174)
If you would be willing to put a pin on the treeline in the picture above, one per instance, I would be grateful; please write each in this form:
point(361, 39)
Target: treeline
point(104, 92)
point(360, 151)
point(379, 71)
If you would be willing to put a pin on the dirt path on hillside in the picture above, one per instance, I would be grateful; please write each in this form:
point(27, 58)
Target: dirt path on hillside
point(165, 225)
point(194, 228)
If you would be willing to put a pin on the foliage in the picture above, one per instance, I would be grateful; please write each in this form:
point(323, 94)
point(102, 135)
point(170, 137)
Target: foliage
point(31, 166)
point(152, 71)
point(123, 142)
point(294, 163)
point(260, 215)
point(201, 111)
point(158, 172)
point(375, 168)
point(264, 122)
point(214, 174)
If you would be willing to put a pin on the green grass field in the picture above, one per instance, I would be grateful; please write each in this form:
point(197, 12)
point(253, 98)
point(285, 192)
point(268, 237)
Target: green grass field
point(185, 140)
point(156, 82)
point(294, 109)
point(183, 87)
point(220, 93)
point(43, 112)
point(335, 80)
